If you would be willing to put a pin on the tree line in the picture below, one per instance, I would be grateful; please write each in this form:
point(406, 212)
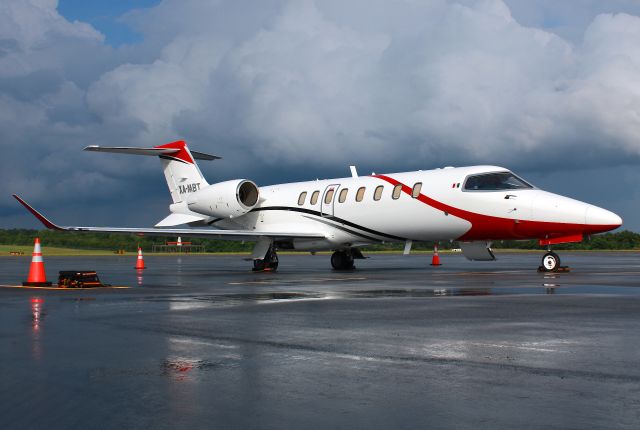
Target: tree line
point(623, 240)
point(108, 241)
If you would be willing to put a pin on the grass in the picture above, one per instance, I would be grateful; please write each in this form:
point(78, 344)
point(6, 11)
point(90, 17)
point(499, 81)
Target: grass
point(52, 251)
point(5, 251)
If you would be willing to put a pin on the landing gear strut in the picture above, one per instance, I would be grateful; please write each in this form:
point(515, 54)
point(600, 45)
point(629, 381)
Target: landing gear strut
point(342, 260)
point(550, 262)
point(268, 264)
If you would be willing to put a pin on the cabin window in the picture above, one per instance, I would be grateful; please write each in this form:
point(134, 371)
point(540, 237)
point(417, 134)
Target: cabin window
point(417, 187)
point(343, 195)
point(377, 194)
point(360, 194)
point(301, 199)
point(328, 196)
point(397, 190)
point(314, 197)
point(495, 182)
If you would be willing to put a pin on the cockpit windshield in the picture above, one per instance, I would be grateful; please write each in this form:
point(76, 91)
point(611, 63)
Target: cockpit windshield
point(495, 182)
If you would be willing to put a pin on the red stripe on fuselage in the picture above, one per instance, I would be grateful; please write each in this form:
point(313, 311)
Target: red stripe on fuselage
point(183, 154)
point(488, 227)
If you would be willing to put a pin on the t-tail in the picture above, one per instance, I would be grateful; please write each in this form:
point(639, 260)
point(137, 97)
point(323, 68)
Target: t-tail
point(181, 172)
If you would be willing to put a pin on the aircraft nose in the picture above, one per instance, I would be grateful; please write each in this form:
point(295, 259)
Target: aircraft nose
point(599, 216)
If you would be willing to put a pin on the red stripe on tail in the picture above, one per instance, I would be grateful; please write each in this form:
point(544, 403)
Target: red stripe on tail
point(183, 154)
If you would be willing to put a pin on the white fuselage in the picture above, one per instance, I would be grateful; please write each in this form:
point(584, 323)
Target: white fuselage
point(441, 210)
point(469, 204)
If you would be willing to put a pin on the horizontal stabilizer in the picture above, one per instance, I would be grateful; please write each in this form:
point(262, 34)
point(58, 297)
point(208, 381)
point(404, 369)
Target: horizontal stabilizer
point(178, 219)
point(202, 156)
point(148, 151)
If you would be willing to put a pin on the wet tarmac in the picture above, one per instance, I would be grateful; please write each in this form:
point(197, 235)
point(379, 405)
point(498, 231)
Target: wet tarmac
point(201, 342)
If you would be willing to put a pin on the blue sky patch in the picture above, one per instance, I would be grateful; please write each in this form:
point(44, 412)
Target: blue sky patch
point(104, 15)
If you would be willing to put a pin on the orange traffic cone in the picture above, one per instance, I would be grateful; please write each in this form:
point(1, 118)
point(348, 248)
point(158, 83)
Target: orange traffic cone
point(140, 260)
point(435, 260)
point(37, 277)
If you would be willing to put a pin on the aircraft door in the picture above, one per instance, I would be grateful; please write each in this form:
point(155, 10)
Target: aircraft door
point(328, 199)
point(517, 206)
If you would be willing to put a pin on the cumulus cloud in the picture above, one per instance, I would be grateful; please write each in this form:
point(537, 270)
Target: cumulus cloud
point(298, 83)
point(567, 18)
point(462, 79)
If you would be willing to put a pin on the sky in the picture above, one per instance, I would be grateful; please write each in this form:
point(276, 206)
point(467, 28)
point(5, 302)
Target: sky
point(292, 90)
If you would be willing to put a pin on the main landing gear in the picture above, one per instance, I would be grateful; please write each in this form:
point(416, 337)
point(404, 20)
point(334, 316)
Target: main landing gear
point(343, 258)
point(269, 263)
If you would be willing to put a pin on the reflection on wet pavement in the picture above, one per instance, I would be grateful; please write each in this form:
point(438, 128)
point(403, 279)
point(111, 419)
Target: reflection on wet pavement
point(192, 302)
point(37, 312)
point(200, 342)
point(37, 317)
point(178, 366)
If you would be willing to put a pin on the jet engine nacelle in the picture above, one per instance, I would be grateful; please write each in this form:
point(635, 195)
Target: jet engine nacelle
point(227, 199)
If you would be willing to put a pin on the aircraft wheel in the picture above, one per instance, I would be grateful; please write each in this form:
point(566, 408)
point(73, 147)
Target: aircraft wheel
point(272, 265)
point(550, 262)
point(258, 265)
point(335, 260)
point(268, 264)
point(342, 260)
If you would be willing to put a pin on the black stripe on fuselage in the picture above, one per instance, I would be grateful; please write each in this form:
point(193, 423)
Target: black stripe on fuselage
point(339, 227)
point(332, 218)
point(324, 221)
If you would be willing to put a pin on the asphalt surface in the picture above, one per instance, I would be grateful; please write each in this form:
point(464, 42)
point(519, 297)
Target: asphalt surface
point(201, 342)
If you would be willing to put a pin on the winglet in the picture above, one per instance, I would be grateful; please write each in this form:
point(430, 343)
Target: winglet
point(38, 215)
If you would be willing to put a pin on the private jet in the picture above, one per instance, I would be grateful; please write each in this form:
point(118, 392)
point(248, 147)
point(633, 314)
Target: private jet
point(473, 206)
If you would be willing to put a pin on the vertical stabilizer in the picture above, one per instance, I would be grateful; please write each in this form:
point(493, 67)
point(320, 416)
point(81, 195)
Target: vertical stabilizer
point(178, 162)
point(181, 171)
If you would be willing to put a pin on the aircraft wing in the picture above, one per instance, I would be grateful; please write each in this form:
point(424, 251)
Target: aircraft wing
point(250, 235)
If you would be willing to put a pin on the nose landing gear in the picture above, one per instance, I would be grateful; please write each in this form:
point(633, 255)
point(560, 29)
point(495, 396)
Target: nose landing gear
point(550, 262)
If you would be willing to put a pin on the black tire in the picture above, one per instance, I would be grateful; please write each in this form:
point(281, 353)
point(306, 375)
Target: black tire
point(550, 262)
point(342, 260)
point(269, 264)
point(336, 260)
point(272, 264)
point(258, 265)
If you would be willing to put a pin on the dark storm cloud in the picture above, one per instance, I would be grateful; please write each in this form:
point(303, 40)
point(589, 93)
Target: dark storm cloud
point(287, 90)
point(8, 46)
point(32, 85)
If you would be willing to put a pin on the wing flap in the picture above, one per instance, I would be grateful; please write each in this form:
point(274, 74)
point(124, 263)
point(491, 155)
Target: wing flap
point(250, 235)
point(175, 219)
